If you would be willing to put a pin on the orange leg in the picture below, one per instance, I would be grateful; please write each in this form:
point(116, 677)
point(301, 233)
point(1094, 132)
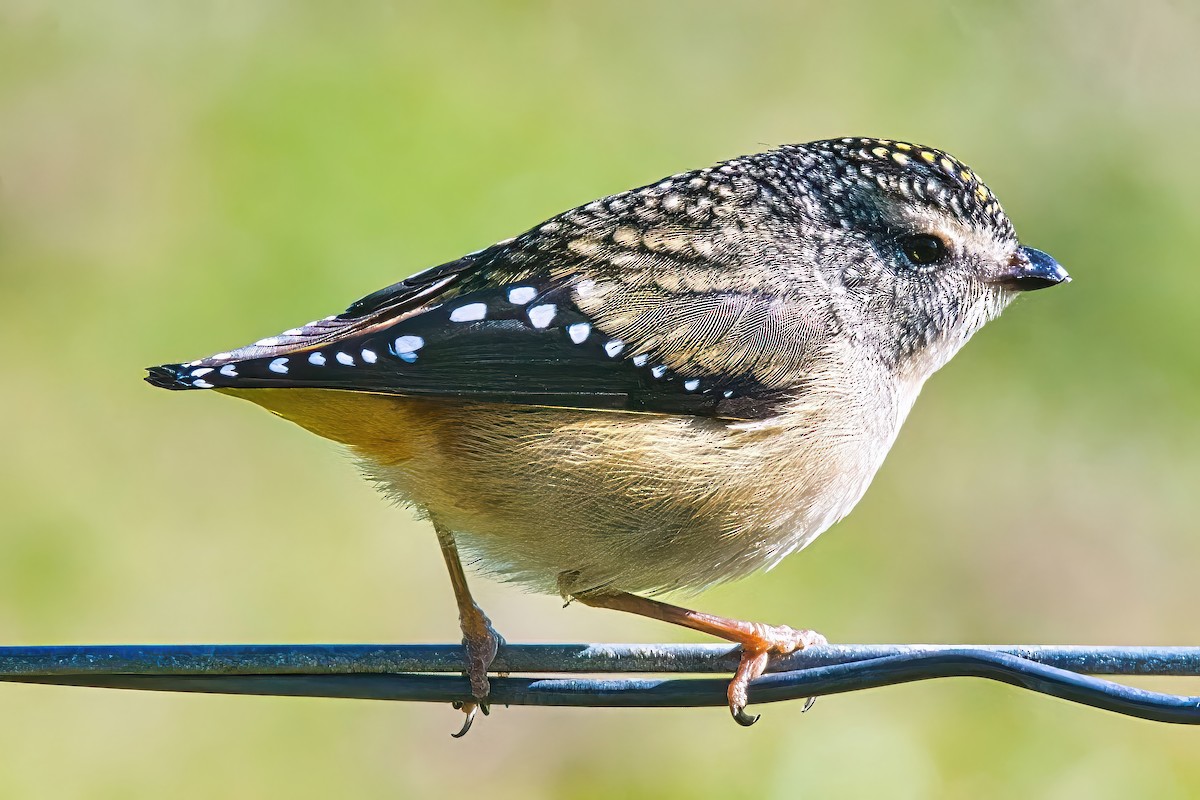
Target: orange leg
point(758, 641)
point(479, 637)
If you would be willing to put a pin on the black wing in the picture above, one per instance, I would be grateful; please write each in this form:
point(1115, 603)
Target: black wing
point(621, 305)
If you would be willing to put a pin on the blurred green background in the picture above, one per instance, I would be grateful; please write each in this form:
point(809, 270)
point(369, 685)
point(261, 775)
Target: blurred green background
point(180, 178)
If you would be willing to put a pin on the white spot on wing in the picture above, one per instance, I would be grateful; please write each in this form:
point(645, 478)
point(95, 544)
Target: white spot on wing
point(202, 384)
point(229, 371)
point(640, 360)
point(578, 332)
point(542, 315)
point(658, 371)
point(369, 356)
point(409, 344)
point(279, 365)
point(614, 347)
point(200, 373)
point(317, 358)
point(345, 358)
point(691, 385)
point(270, 341)
point(469, 313)
point(521, 295)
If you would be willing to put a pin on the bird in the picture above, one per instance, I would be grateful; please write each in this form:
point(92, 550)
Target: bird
point(661, 390)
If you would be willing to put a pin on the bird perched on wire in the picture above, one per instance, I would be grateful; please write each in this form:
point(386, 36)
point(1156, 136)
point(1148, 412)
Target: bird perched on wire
point(660, 390)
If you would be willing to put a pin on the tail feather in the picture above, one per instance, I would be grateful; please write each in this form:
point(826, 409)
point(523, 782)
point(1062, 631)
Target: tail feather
point(256, 365)
point(168, 376)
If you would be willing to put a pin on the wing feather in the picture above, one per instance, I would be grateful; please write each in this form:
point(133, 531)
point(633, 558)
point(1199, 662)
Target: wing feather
point(640, 302)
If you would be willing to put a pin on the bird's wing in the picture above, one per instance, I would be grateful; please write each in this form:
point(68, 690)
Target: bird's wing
point(640, 302)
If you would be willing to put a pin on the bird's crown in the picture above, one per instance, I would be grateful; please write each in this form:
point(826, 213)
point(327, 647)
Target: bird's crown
point(913, 171)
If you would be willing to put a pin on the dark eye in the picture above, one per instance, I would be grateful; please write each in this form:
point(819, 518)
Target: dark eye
point(923, 249)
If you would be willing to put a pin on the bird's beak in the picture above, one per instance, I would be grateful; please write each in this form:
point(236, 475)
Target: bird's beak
point(1031, 269)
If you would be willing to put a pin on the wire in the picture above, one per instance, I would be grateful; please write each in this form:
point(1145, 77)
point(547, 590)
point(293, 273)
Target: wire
point(400, 672)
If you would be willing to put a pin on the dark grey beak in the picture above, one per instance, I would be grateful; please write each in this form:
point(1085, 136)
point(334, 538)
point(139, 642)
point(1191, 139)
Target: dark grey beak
point(1032, 269)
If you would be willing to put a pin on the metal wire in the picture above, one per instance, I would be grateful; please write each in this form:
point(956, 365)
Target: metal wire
point(403, 672)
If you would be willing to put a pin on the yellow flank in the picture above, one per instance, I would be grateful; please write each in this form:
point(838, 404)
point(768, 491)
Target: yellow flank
point(388, 429)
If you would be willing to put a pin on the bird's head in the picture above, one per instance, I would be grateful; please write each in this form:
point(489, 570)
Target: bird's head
point(914, 250)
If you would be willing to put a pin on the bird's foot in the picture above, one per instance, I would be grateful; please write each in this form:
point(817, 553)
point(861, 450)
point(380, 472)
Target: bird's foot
point(758, 641)
point(757, 650)
point(481, 642)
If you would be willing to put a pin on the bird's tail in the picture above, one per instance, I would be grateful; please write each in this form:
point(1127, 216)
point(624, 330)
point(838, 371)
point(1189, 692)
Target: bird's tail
point(171, 376)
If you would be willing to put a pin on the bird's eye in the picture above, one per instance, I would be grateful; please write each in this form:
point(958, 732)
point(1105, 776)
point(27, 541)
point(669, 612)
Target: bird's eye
point(923, 249)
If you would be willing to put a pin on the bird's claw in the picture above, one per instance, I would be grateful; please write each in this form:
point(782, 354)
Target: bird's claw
point(469, 709)
point(769, 640)
point(742, 718)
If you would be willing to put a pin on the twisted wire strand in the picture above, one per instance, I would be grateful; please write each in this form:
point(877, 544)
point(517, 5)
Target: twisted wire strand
point(410, 672)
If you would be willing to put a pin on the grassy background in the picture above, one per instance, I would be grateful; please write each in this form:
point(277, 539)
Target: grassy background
point(178, 178)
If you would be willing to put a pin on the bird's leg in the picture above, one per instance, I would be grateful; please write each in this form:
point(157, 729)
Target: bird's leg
point(479, 637)
point(758, 641)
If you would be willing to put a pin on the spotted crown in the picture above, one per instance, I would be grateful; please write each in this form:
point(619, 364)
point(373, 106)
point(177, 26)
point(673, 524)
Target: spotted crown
point(915, 172)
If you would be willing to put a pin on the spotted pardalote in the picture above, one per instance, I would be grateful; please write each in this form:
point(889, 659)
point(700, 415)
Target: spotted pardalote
point(660, 390)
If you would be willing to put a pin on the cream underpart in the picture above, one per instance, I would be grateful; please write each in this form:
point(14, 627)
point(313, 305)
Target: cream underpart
point(568, 500)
